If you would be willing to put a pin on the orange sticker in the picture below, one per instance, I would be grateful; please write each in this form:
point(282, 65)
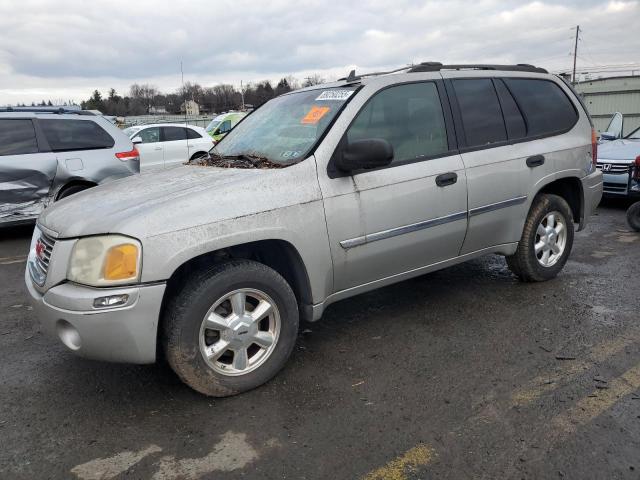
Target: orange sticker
point(314, 115)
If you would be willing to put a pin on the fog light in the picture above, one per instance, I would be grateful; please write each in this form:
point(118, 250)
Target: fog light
point(111, 301)
point(68, 334)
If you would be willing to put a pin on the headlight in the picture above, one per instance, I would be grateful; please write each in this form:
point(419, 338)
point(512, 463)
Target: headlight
point(106, 260)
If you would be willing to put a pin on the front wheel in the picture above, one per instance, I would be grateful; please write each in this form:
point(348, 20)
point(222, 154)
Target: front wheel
point(633, 216)
point(546, 240)
point(231, 327)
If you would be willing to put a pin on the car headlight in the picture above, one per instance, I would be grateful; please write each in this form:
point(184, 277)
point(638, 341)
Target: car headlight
point(105, 261)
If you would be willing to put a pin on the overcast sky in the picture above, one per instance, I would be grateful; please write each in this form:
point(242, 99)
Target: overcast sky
point(64, 49)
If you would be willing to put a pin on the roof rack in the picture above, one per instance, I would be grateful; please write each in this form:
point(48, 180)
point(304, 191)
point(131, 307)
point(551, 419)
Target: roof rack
point(437, 66)
point(56, 110)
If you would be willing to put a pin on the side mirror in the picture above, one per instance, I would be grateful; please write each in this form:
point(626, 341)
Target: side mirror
point(137, 140)
point(365, 154)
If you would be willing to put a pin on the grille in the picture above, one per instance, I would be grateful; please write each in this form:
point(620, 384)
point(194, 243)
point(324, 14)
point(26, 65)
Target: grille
point(616, 168)
point(40, 262)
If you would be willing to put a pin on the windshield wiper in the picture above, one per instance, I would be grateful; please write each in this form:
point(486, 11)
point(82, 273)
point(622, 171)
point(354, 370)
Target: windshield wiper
point(244, 160)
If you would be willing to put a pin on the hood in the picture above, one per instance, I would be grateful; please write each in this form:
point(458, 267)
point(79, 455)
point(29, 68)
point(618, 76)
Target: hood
point(178, 198)
point(619, 150)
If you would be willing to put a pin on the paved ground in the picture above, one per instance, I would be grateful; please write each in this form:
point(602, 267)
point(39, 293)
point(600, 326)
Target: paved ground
point(462, 373)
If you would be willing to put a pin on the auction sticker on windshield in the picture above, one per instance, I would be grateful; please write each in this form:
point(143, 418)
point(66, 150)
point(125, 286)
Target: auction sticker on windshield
point(340, 95)
point(314, 115)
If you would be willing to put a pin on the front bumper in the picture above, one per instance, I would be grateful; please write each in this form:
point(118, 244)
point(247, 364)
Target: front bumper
point(592, 191)
point(126, 333)
point(616, 185)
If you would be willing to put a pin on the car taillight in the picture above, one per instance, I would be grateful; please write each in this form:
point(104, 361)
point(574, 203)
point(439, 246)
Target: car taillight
point(594, 146)
point(636, 169)
point(130, 155)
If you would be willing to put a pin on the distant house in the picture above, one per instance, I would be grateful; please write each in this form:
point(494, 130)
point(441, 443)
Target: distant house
point(190, 108)
point(157, 110)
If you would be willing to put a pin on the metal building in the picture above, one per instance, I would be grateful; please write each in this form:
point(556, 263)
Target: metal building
point(604, 96)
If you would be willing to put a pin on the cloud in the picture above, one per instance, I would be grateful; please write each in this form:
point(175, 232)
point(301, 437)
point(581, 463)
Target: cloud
point(52, 49)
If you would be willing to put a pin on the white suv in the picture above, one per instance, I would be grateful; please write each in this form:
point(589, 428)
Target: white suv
point(318, 195)
point(47, 154)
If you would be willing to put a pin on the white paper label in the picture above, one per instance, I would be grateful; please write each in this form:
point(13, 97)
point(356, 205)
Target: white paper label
point(340, 95)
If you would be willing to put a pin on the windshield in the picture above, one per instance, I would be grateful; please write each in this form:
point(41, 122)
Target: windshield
point(284, 129)
point(635, 135)
point(129, 132)
point(212, 125)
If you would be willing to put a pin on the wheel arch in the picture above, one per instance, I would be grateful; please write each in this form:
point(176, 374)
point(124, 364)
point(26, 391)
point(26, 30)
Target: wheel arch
point(571, 190)
point(73, 183)
point(278, 254)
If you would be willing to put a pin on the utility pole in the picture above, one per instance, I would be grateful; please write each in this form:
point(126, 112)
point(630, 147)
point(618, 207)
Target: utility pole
point(242, 95)
point(575, 54)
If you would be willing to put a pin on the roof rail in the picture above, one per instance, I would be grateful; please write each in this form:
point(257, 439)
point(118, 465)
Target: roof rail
point(58, 110)
point(437, 66)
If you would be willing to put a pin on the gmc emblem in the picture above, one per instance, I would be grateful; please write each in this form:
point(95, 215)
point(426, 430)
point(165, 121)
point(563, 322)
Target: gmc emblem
point(40, 249)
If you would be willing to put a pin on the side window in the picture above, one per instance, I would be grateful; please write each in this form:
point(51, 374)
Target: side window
point(192, 134)
point(480, 110)
point(407, 116)
point(516, 128)
point(17, 137)
point(149, 135)
point(66, 135)
point(545, 106)
point(172, 134)
point(224, 126)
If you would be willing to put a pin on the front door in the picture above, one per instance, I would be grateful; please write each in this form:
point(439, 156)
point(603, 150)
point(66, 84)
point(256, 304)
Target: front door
point(151, 149)
point(408, 215)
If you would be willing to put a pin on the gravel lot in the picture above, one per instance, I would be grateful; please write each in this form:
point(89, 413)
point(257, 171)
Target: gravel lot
point(458, 374)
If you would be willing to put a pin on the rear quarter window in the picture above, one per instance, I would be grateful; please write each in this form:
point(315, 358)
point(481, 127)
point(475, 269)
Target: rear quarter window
point(545, 106)
point(68, 135)
point(17, 137)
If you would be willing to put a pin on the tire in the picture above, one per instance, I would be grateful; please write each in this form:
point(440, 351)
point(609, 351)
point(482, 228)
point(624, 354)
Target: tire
point(185, 337)
point(633, 216)
point(530, 266)
point(73, 189)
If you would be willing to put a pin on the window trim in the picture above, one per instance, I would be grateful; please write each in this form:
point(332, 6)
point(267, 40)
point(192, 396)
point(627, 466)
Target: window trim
point(458, 117)
point(35, 134)
point(452, 141)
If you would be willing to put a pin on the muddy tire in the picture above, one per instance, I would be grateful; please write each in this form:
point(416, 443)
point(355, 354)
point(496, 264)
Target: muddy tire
point(546, 240)
point(230, 328)
point(633, 216)
point(71, 190)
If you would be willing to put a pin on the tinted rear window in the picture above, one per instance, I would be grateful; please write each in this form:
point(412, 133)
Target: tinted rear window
point(480, 110)
point(17, 137)
point(192, 134)
point(546, 108)
point(67, 135)
point(174, 133)
point(516, 127)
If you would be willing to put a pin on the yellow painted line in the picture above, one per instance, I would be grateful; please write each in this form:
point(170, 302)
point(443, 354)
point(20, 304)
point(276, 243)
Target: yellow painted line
point(10, 260)
point(399, 467)
point(600, 400)
point(546, 383)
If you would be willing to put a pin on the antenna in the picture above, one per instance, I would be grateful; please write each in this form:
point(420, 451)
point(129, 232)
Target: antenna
point(575, 54)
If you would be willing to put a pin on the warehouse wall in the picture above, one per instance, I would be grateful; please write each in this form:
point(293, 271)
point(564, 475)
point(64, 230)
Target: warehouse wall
point(605, 96)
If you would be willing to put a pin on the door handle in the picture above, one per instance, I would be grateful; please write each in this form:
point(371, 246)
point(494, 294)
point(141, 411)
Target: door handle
point(446, 179)
point(535, 161)
point(158, 148)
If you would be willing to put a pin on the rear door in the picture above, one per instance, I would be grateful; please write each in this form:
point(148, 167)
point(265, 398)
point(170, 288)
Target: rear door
point(497, 196)
point(26, 173)
point(174, 142)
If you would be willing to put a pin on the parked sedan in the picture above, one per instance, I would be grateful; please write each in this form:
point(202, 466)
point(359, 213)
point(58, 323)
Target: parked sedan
point(615, 158)
point(168, 144)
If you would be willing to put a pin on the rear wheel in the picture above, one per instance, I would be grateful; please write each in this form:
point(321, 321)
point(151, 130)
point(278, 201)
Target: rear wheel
point(633, 216)
point(231, 328)
point(546, 240)
point(71, 190)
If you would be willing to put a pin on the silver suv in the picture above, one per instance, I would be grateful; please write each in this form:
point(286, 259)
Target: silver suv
point(47, 154)
point(318, 195)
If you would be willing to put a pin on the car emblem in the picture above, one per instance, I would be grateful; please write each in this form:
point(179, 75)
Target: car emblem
point(606, 167)
point(40, 249)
